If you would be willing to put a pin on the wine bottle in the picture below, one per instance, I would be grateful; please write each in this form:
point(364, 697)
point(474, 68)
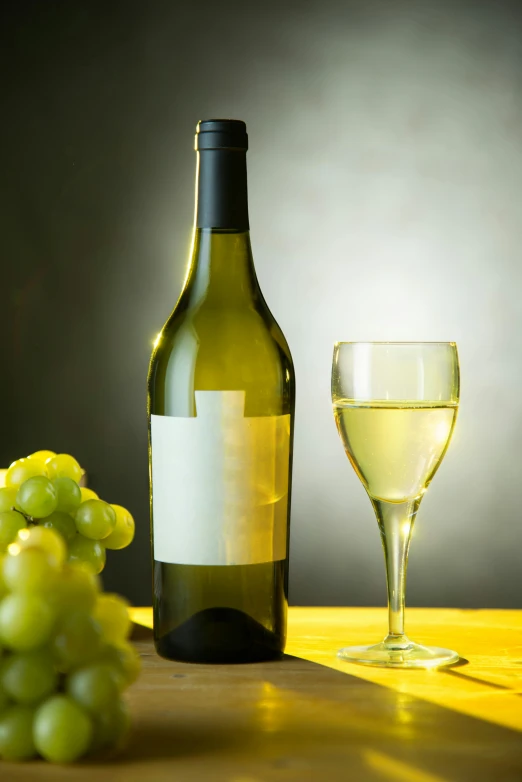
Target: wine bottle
point(221, 397)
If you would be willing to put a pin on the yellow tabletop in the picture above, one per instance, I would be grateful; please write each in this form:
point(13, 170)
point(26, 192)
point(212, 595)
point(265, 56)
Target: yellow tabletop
point(487, 683)
point(312, 718)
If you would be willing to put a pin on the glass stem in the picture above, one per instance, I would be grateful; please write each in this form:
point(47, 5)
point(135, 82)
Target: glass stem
point(396, 521)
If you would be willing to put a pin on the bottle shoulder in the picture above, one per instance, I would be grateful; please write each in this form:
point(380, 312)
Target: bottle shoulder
point(222, 348)
point(214, 329)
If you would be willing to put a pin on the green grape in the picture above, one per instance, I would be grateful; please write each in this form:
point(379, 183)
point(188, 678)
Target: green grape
point(95, 519)
point(16, 733)
point(111, 727)
point(88, 494)
point(75, 589)
point(62, 731)
point(4, 699)
point(87, 553)
point(42, 455)
point(22, 470)
point(69, 494)
point(61, 522)
point(123, 533)
point(3, 585)
point(78, 640)
point(64, 466)
point(8, 498)
point(29, 677)
point(112, 612)
point(26, 622)
point(94, 687)
point(37, 497)
point(28, 570)
point(125, 659)
point(11, 522)
point(48, 540)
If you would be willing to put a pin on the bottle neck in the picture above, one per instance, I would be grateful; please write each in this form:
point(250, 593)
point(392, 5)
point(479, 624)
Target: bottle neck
point(221, 190)
point(222, 269)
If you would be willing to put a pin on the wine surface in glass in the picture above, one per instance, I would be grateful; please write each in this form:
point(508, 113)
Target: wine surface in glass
point(395, 447)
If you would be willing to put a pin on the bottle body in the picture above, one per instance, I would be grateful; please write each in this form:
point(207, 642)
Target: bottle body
point(221, 409)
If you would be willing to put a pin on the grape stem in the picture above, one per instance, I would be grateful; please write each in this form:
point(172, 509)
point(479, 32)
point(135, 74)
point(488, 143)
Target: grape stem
point(29, 519)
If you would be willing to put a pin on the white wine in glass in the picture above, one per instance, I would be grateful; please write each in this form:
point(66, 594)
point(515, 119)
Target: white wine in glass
point(395, 406)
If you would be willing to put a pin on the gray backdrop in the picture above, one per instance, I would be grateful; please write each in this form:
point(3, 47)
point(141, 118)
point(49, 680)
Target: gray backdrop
point(385, 191)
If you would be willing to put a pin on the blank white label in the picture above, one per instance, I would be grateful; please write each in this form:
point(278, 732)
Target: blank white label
point(220, 484)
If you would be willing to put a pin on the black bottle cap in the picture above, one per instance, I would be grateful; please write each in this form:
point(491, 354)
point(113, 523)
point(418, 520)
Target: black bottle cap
point(221, 134)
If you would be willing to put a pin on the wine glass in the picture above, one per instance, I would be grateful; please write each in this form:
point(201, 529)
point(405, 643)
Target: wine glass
point(395, 406)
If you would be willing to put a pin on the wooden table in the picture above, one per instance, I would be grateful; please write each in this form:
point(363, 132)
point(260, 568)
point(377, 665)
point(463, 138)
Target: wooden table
point(312, 718)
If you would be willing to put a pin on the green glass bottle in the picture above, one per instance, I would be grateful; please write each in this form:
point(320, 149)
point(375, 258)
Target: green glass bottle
point(221, 398)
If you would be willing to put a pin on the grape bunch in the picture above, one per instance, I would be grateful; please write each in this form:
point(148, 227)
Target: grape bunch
point(64, 655)
point(44, 490)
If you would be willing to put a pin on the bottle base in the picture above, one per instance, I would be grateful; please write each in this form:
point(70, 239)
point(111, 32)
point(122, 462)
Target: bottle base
point(220, 636)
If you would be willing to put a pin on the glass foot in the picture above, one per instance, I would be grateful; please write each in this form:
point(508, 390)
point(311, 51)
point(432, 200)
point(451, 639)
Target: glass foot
point(399, 655)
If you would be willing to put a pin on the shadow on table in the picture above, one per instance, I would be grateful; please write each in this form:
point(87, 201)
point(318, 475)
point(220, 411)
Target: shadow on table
point(312, 723)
